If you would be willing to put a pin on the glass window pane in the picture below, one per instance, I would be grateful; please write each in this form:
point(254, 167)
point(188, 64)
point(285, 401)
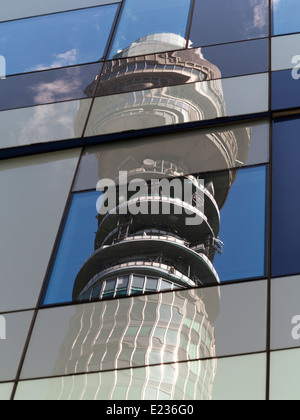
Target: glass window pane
point(75, 247)
point(285, 52)
point(116, 153)
point(40, 186)
point(15, 327)
point(151, 283)
point(286, 204)
point(110, 286)
point(243, 227)
point(46, 86)
point(241, 378)
point(285, 374)
point(216, 98)
point(228, 326)
point(135, 73)
point(5, 391)
point(122, 283)
point(285, 90)
point(239, 58)
point(285, 17)
point(96, 292)
point(22, 42)
point(216, 21)
point(285, 313)
point(138, 282)
point(165, 285)
point(16, 9)
point(236, 378)
point(166, 21)
point(43, 123)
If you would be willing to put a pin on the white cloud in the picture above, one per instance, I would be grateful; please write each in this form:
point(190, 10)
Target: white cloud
point(69, 58)
point(52, 91)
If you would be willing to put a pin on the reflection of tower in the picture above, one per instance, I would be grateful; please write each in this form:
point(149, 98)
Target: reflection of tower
point(153, 251)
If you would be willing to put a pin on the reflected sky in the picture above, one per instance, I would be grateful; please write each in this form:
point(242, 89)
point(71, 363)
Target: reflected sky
point(242, 231)
point(218, 22)
point(71, 38)
point(142, 18)
point(286, 16)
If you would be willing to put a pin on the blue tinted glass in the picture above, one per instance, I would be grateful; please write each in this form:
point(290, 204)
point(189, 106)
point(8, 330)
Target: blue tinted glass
point(76, 245)
point(285, 90)
point(59, 40)
point(286, 16)
point(286, 199)
point(219, 21)
point(243, 227)
point(239, 58)
point(141, 18)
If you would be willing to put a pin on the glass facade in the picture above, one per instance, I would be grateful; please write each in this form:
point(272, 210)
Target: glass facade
point(149, 184)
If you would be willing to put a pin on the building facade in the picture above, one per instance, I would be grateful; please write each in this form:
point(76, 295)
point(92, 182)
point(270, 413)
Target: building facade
point(148, 175)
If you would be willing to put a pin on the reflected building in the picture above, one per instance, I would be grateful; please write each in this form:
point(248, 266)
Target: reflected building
point(138, 255)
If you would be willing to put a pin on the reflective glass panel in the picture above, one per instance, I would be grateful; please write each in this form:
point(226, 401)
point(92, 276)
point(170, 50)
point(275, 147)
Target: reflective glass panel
point(106, 158)
point(71, 38)
point(286, 203)
point(285, 53)
point(285, 313)
point(14, 329)
point(178, 104)
point(238, 218)
point(243, 227)
point(216, 21)
point(239, 58)
point(285, 374)
point(168, 327)
point(47, 86)
point(5, 391)
point(164, 23)
point(236, 378)
point(286, 89)
point(72, 253)
point(16, 9)
point(43, 123)
point(33, 192)
point(183, 66)
point(286, 18)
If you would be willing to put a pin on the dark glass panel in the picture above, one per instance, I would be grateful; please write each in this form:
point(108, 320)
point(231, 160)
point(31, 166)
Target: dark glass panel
point(46, 87)
point(286, 201)
point(239, 58)
point(218, 21)
point(285, 90)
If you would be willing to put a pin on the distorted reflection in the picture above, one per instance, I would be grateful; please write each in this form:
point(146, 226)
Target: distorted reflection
point(146, 251)
point(147, 330)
